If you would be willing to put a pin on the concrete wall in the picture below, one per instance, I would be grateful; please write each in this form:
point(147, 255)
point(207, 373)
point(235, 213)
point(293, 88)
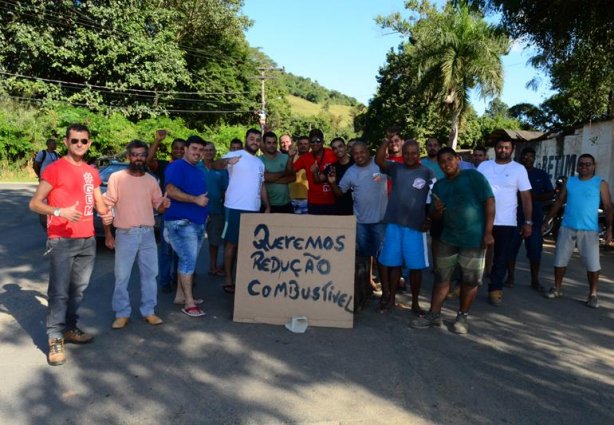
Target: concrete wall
point(558, 156)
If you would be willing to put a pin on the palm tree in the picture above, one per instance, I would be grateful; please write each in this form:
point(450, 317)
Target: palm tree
point(455, 51)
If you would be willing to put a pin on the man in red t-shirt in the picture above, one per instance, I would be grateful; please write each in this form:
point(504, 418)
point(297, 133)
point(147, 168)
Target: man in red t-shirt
point(72, 190)
point(320, 197)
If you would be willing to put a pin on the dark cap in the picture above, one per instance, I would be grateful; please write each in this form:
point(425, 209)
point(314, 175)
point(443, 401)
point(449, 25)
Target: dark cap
point(316, 134)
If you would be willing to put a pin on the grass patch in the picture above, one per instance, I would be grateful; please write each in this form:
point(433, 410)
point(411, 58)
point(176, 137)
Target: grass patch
point(305, 108)
point(17, 172)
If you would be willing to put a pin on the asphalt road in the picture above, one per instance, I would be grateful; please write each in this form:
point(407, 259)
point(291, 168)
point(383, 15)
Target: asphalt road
point(531, 361)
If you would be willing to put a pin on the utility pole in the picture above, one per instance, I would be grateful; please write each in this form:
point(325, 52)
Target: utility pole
point(263, 77)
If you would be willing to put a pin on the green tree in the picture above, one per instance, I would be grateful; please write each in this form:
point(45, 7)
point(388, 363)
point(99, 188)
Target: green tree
point(455, 51)
point(575, 41)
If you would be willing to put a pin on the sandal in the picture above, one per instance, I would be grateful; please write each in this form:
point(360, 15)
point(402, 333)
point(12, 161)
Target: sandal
point(193, 311)
point(197, 301)
point(229, 289)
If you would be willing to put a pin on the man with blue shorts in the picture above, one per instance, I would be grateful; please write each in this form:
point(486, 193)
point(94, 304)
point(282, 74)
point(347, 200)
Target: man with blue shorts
point(406, 222)
point(465, 204)
point(184, 220)
point(369, 190)
point(245, 194)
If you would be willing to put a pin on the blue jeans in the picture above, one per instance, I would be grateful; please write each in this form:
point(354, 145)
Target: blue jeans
point(71, 262)
point(167, 261)
point(369, 238)
point(135, 243)
point(186, 238)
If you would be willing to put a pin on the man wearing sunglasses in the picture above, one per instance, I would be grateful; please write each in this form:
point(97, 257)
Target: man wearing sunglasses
point(72, 190)
point(317, 164)
point(580, 227)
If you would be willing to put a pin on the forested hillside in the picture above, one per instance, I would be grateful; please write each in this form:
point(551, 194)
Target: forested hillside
point(127, 67)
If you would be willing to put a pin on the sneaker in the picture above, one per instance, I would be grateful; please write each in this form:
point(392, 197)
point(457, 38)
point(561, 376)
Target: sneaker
point(153, 320)
point(461, 324)
point(120, 323)
point(592, 302)
point(495, 298)
point(429, 320)
point(56, 356)
point(553, 293)
point(77, 336)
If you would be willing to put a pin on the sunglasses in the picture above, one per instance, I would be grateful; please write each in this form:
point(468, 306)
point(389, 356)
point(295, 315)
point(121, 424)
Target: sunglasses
point(314, 141)
point(82, 141)
point(585, 164)
point(138, 155)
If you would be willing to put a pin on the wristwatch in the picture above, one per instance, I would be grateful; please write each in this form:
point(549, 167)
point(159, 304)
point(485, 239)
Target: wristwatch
point(529, 222)
point(56, 212)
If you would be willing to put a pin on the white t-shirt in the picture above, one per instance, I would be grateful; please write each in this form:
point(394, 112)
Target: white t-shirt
point(245, 182)
point(506, 181)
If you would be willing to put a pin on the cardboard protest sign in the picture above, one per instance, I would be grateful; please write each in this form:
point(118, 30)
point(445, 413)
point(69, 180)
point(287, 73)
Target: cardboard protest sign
point(296, 265)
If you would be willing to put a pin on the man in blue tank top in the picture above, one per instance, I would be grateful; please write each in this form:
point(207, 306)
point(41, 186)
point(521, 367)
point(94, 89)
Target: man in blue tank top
point(580, 226)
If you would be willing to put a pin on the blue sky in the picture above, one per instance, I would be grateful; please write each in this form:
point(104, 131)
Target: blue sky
point(338, 44)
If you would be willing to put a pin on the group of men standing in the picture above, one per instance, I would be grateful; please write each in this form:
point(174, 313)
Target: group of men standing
point(396, 197)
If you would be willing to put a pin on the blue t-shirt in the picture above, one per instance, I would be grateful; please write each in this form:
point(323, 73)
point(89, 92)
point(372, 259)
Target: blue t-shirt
point(189, 179)
point(582, 209)
point(217, 182)
point(433, 166)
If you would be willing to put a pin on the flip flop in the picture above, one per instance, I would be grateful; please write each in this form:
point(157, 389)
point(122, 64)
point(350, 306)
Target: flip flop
point(193, 311)
point(229, 289)
point(197, 301)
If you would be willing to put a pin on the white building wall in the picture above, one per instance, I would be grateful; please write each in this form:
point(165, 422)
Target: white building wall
point(558, 156)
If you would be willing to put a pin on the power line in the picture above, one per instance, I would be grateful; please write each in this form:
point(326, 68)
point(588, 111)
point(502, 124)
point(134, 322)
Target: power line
point(126, 91)
point(162, 110)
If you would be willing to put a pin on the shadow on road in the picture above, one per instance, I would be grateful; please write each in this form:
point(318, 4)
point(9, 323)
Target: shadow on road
point(530, 361)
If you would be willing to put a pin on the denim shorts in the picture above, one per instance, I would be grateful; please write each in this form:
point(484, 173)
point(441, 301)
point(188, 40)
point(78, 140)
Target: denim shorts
point(369, 238)
point(186, 239)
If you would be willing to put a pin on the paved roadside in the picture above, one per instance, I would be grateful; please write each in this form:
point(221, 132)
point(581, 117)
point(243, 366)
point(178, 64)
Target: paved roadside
point(530, 361)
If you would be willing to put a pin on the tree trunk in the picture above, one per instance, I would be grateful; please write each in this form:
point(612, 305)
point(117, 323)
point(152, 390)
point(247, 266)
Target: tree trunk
point(453, 140)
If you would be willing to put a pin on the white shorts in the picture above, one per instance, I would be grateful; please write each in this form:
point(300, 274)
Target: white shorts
point(587, 243)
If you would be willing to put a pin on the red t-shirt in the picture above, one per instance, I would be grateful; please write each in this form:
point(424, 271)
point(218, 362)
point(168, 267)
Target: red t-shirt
point(71, 183)
point(319, 193)
point(398, 159)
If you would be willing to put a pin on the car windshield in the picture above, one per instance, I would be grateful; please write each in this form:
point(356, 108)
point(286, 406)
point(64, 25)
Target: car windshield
point(106, 172)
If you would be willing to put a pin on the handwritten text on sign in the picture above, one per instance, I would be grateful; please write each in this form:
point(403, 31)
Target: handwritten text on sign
point(297, 267)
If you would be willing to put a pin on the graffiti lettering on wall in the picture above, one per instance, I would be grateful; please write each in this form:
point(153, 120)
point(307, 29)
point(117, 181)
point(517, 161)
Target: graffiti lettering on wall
point(558, 165)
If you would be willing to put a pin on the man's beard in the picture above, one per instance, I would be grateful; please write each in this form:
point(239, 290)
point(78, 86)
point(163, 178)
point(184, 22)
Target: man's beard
point(139, 167)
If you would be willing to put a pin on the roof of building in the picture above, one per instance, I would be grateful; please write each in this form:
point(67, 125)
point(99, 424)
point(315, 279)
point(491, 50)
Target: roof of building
point(515, 135)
